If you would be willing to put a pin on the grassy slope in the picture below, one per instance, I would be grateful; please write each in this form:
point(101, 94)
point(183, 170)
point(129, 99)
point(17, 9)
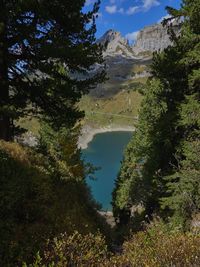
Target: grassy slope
point(120, 109)
point(114, 103)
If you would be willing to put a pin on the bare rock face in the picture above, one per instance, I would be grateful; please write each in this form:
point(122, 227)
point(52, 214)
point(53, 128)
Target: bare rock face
point(126, 63)
point(154, 38)
point(150, 39)
point(116, 45)
point(110, 36)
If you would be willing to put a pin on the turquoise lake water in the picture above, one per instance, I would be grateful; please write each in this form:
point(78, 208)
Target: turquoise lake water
point(106, 151)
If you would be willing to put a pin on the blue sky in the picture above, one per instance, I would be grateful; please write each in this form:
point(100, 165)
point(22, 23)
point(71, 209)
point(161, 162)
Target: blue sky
point(129, 16)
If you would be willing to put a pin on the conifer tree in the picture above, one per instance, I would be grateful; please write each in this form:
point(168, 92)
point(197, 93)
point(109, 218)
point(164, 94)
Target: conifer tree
point(161, 167)
point(183, 186)
point(46, 51)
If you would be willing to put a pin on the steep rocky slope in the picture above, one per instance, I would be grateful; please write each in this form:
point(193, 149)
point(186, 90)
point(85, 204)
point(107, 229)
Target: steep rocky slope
point(116, 45)
point(126, 63)
point(122, 65)
point(154, 38)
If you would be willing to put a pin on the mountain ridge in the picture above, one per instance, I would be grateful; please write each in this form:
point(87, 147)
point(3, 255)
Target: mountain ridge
point(149, 39)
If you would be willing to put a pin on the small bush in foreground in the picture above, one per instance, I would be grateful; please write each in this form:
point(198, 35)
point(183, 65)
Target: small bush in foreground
point(158, 247)
point(155, 247)
point(74, 250)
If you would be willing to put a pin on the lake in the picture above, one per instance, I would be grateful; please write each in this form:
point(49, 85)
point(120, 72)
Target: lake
point(105, 151)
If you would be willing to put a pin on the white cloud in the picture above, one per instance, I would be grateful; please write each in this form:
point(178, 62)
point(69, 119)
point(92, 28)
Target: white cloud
point(147, 4)
point(111, 9)
point(144, 6)
point(132, 10)
point(132, 36)
point(114, 9)
point(165, 17)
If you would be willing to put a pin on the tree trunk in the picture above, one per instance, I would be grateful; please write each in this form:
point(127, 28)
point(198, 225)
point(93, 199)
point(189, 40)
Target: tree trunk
point(5, 125)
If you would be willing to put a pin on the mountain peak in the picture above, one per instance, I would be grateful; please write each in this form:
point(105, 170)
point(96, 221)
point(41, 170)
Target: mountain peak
point(115, 44)
point(149, 39)
point(109, 36)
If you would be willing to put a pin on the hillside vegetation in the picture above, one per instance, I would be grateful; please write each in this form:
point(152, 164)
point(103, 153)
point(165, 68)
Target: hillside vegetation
point(161, 168)
point(43, 193)
point(157, 246)
point(48, 217)
point(120, 108)
point(43, 190)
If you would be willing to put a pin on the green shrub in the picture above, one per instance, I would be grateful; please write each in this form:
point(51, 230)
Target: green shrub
point(158, 246)
point(36, 204)
point(24, 203)
point(75, 250)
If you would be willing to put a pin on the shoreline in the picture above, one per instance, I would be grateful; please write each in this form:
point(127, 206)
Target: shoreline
point(88, 133)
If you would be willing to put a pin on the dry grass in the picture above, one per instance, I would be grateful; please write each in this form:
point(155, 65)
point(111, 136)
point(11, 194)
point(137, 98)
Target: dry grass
point(154, 247)
point(121, 109)
point(30, 124)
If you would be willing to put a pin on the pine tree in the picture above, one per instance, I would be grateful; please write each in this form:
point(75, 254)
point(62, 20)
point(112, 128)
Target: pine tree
point(157, 164)
point(46, 51)
point(184, 185)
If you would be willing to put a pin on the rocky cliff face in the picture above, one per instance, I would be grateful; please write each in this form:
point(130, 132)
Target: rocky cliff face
point(154, 38)
point(151, 38)
point(125, 63)
point(116, 45)
point(120, 62)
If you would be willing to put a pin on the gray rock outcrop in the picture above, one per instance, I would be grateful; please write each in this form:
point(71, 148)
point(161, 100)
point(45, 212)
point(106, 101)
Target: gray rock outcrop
point(151, 38)
point(154, 38)
point(116, 45)
point(126, 63)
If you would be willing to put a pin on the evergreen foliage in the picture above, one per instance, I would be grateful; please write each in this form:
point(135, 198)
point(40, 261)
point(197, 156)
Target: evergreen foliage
point(41, 196)
point(47, 54)
point(157, 246)
point(160, 170)
point(46, 50)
